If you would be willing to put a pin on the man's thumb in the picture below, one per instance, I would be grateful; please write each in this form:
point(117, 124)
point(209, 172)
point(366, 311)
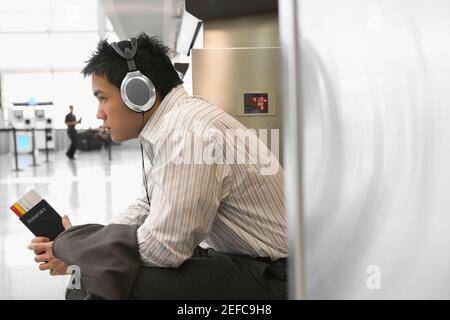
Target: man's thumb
point(66, 222)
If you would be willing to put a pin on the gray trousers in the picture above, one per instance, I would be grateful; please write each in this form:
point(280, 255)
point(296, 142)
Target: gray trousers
point(209, 275)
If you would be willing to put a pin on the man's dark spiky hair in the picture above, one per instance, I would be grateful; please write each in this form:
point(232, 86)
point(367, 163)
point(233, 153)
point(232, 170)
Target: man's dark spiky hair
point(151, 59)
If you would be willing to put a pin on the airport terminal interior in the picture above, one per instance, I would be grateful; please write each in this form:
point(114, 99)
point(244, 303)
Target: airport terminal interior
point(351, 97)
point(48, 43)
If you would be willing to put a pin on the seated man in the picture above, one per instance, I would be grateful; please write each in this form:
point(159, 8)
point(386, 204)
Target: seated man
point(208, 227)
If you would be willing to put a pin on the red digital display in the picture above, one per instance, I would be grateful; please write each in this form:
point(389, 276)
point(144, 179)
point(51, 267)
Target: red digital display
point(256, 102)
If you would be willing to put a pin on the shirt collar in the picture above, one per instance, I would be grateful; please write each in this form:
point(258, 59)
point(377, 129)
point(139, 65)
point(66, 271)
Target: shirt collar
point(171, 100)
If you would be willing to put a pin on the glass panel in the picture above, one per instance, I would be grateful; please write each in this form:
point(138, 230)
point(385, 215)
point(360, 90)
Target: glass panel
point(24, 6)
point(72, 50)
point(25, 51)
point(48, 34)
point(43, 51)
point(24, 21)
point(74, 15)
point(21, 87)
point(46, 15)
point(62, 88)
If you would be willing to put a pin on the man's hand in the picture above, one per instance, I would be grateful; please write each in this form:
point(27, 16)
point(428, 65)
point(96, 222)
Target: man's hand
point(42, 248)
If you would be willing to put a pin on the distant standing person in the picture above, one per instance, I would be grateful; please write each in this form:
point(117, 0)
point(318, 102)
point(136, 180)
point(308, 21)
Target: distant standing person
point(71, 122)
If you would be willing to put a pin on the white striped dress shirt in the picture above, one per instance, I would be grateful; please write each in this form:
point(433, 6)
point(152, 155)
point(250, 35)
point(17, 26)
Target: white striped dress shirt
point(228, 206)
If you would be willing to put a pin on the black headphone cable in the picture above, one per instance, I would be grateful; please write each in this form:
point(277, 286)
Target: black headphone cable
point(144, 177)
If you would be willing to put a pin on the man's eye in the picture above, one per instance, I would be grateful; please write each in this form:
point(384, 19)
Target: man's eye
point(102, 99)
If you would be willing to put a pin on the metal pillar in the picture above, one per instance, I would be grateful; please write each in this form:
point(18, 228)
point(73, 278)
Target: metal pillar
point(33, 140)
point(292, 125)
point(47, 130)
point(15, 150)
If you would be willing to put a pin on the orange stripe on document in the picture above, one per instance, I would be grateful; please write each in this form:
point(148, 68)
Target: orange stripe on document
point(19, 208)
point(17, 212)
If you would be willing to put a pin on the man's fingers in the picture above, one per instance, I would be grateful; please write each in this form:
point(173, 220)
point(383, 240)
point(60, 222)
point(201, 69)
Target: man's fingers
point(66, 222)
point(40, 247)
point(43, 258)
point(55, 272)
point(58, 268)
point(45, 266)
point(40, 239)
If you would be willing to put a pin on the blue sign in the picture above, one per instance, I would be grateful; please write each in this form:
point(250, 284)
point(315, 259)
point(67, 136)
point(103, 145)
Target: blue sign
point(32, 102)
point(23, 142)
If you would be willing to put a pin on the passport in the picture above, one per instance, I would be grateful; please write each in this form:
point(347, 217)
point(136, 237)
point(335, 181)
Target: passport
point(38, 215)
point(43, 221)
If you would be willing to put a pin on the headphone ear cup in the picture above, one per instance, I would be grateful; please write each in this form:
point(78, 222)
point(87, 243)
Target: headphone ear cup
point(138, 92)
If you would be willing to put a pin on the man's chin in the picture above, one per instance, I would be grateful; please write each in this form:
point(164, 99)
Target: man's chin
point(118, 139)
point(115, 139)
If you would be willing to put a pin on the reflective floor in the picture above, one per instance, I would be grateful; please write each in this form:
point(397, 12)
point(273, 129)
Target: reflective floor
point(90, 190)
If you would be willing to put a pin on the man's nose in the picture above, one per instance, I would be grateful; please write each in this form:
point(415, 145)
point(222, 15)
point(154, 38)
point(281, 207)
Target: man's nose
point(101, 115)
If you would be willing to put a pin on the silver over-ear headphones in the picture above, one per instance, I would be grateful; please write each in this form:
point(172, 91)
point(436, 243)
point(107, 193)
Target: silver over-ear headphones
point(137, 91)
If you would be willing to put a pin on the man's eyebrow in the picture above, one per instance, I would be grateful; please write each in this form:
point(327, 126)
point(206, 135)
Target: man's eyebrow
point(97, 92)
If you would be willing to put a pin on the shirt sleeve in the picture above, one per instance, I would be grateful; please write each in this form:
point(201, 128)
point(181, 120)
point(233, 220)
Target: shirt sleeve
point(185, 202)
point(135, 213)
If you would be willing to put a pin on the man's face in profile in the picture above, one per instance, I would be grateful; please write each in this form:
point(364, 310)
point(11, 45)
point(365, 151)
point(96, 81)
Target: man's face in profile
point(122, 123)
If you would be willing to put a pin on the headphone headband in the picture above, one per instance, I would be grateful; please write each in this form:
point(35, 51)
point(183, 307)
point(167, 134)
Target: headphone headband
point(127, 54)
